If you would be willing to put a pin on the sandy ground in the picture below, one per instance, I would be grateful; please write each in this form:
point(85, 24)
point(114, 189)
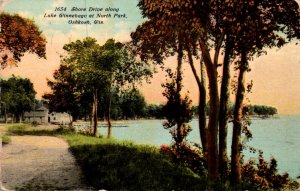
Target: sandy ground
point(39, 163)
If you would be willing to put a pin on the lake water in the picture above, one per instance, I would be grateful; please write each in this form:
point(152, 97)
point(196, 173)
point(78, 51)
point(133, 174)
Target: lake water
point(277, 137)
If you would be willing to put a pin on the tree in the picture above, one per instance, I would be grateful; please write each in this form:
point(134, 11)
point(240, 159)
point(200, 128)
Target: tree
point(178, 112)
point(258, 26)
point(133, 104)
point(179, 26)
point(98, 72)
point(124, 70)
point(89, 74)
point(18, 94)
point(242, 28)
point(64, 96)
point(19, 35)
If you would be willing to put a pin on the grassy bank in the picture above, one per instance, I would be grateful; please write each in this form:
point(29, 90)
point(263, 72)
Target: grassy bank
point(115, 165)
point(119, 165)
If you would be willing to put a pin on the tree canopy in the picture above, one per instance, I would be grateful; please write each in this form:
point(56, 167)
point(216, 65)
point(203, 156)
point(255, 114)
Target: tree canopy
point(19, 35)
point(96, 73)
point(18, 95)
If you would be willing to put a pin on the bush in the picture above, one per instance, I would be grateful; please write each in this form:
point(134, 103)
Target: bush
point(188, 156)
point(34, 124)
point(5, 139)
point(264, 175)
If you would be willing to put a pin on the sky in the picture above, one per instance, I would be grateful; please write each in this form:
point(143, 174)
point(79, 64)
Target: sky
point(276, 76)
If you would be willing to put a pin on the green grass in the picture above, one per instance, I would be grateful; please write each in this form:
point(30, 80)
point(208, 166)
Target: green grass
point(120, 165)
point(27, 129)
point(115, 165)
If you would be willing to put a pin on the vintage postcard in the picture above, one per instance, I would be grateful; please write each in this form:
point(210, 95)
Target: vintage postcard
point(149, 95)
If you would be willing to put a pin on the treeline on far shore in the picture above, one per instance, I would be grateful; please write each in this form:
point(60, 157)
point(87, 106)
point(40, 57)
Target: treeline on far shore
point(261, 111)
point(17, 97)
point(131, 104)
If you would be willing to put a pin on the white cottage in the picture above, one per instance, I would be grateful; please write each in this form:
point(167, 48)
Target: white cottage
point(40, 115)
point(59, 118)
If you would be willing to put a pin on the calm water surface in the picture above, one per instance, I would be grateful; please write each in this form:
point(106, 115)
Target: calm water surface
point(277, 137)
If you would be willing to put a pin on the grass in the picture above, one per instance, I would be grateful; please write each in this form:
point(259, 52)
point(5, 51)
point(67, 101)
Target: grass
point(120, 165)
point(27, 129)
point(115, 165)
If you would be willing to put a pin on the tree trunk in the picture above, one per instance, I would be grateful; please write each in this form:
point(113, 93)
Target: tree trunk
point(236, 146)
point(178, 90)
point(94, 115)
point(212, 138)
point(201, 108)
point(108, 115)
point(202, 100)
point(71, 120)
point(223, 115)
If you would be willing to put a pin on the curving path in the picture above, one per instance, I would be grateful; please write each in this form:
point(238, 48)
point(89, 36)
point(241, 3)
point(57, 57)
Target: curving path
point(39, 163)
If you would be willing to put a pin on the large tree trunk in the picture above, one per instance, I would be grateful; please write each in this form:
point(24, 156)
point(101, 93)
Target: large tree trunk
point(223, 115)
point(236, 146)
point(202, 108)
point(178, 90)
point(212, 138)
point(202, 100)
point(94, 115)
point(108, 115)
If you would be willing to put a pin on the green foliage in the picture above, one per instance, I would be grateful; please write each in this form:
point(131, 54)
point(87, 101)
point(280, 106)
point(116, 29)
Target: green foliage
point(259, 110)
point(111, 70)
point(133, 104)
point(262, 110)
point(112, 165)
point(5, 139)
point(18, 95)
point(154, 111)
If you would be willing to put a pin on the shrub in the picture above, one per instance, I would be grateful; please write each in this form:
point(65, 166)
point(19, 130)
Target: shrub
point(187, 155)
point(262, 174)
point(5, 139)
point(34, 124)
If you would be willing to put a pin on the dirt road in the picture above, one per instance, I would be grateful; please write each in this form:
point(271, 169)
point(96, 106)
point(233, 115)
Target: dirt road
point(39, 163)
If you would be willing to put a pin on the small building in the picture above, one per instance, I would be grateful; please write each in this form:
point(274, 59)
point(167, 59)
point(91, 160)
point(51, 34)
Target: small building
point(40, 115)
point(59, 118)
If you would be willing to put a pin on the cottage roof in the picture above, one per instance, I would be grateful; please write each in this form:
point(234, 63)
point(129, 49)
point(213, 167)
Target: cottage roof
point(42, 108)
